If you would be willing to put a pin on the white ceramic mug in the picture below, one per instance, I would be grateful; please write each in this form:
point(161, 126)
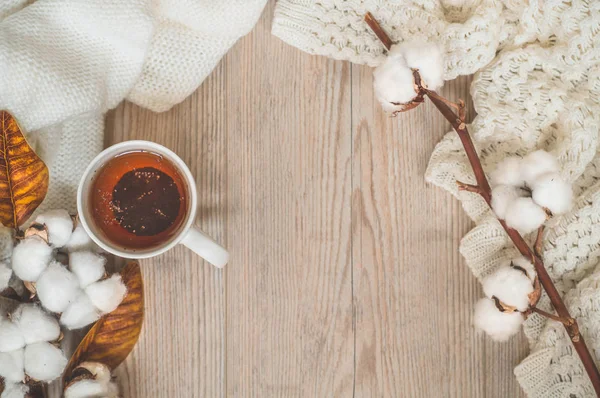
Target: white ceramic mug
point(187, 234)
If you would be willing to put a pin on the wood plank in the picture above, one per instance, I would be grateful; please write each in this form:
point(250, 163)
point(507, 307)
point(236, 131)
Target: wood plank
point(289, 298)
point(345, 277)
point(182, 347)
point(413, 295)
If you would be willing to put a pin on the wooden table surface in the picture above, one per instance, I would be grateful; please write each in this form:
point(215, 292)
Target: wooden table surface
point(345, 277)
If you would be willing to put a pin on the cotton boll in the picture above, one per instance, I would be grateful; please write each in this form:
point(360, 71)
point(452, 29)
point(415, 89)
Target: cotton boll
point(30, 258)
point(35, 324)
point(59, 224)
point(525, 264)
point(57, 287)
point(100, 371)
point(44, 362)
point(5, 274)
point(79, 240)
point(15, 390)
point(428, 59)
point(553, 193)
point(80, 313)
point(502, 197)
point(87, 389)
point(393, 81)
point(510, 286)
point(508, 172)
point(500, 326)
point(108, 294)
point(11, 365)
point(537, 163)
point(88, 266)
point(524, 215)
point(11, 337)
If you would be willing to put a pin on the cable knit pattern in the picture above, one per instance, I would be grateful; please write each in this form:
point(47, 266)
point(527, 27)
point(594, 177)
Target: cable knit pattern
point(541, 91)
point(537, 86)
point(335, 28)
point(64, 63)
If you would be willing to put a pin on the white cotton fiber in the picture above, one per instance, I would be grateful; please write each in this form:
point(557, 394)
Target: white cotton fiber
point(87, 389)
point(525, 264)
point(508, 172)
point(428, 58)
point(59, 224)
point(107, 294)
point(11, 337)
point(553, 193)
point(5, 274)
point(393, 81)
point(30, 258)
point(80, 313)
point(524, 215)
point(35, 324)
point(510, 286)
point(80, 240)
point(88, 266)
point(11, 365)
point(537, 163)
point(502, 197)
point(57, 287)
point(100, 386)
point(44, 362)
point(500, 326)
point(15, 390)
point(100, 371)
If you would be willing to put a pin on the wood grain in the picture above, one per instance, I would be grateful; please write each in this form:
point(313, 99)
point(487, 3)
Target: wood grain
point(345, 277)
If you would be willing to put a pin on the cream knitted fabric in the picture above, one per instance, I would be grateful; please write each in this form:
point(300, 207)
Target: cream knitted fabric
point(64, 63)
point(543, 94)
point(335, 28)
point(537, 86)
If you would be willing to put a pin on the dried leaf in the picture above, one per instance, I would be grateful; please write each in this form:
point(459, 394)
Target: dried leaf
point(113, 337)
point(23, 175)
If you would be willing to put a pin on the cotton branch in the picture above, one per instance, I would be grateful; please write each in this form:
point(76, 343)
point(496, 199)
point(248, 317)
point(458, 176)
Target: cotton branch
point(482, 187)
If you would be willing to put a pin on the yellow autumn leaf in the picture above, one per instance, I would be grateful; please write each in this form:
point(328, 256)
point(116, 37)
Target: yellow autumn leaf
point(23, 175)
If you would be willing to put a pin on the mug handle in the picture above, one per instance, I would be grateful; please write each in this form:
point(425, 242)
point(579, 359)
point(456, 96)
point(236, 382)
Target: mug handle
point(204, 246)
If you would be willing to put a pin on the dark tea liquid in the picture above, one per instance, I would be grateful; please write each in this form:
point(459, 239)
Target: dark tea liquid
point(139, 200)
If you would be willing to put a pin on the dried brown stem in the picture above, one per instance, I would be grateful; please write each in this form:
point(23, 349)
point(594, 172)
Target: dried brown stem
point(458, 123)
point(522, 246)
point(468, 187)
point(539, 240)
point(569, 322)
point(378, 30)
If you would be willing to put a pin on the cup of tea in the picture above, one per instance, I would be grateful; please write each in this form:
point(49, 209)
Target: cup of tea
point(138, 199)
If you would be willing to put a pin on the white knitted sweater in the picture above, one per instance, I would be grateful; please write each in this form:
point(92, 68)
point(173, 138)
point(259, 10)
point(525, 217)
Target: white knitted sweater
point(536, 86)
point(64, 63)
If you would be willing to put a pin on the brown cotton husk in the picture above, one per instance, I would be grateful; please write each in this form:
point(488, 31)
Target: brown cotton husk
point(503, 307)
point(37, 229)
point(25, 174)
point(113, 337)
point(30, 286)
point(534, 296)
point(89, 371)
point(10, 293)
